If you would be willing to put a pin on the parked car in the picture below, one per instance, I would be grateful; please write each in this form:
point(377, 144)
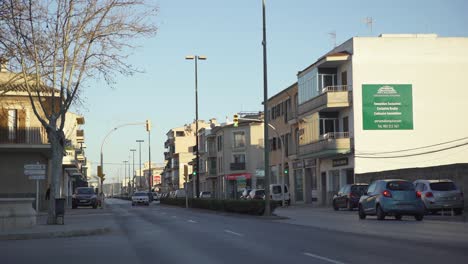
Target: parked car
point(156, 196)
point(245, 194)
point(257, 194)
point(179, 193)
point(84, 196)
point(348, 196)
point(276, 193)
point(140, 198)
point(391, 197)
point(440, 194)
point(205, 194)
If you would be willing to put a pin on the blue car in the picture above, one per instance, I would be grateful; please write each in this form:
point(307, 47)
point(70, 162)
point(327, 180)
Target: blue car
point(391, 198)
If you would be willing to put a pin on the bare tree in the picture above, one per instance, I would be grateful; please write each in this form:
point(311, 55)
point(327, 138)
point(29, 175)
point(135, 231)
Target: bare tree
point(55, 46)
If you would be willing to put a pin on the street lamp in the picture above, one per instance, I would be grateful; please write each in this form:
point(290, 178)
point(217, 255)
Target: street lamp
point(139, 143)
point(197, 178)
point(133, 176)
point(125, 171)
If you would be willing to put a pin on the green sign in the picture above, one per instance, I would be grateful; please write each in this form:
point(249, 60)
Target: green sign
point(241, 183)
point(387, 106)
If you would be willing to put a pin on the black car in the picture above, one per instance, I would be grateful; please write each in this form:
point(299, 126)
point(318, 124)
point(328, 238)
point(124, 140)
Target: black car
point(84, 196)
point(348, 196)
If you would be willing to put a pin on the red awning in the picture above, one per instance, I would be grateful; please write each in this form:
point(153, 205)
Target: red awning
point(233, 177)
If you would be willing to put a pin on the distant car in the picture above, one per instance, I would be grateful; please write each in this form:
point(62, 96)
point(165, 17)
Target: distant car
point(156, 196)
point(84, 196)
point(391, 197)
point(257, 194)
point(179, 193)
point(205, 194)
point(348, 196)
point(140, 198)
point(276, 193)
point(440, 194)
point(245, 194)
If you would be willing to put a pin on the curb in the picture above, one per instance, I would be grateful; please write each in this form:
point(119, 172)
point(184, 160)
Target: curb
point(56, 234)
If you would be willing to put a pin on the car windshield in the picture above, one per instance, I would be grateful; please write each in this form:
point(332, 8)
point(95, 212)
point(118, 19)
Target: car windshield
point(400, 186)
point(140, 194)
point(443, 186)
point(84, 191)
point(276, 189)
point(359, 189)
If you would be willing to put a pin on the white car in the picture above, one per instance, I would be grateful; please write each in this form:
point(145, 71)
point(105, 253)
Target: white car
point(276, 193)
point(140, 198)
point(205, 195)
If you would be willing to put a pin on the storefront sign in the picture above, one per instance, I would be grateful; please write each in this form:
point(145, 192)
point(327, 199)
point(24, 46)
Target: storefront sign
point(387, 107)
point(298, 164)
point(310, 162)
point(241, 183)
point(340, 162)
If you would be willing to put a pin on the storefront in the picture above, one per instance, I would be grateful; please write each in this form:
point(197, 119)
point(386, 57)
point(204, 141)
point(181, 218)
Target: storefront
point(298, 170)
point(236, 183)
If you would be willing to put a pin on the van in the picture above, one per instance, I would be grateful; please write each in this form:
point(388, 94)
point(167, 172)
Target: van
point(276, 193)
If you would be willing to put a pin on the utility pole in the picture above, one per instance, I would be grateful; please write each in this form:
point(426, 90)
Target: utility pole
point(139, 143)
point(133, 174)
point(265, 113)
point(125, 171)
point(150, 173)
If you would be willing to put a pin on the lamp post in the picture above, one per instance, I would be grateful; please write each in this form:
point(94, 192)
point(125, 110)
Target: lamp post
point(265, 112)
point(139, 143)
point(150, 172)
point(133, 176)
point(125, 171)
point(197, 155)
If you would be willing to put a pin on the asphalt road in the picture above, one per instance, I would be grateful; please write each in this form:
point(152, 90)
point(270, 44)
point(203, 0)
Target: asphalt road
point(162, 234)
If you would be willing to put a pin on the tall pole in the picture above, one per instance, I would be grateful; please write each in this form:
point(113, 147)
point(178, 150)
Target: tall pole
point(265, 113)
point(150, 172)
point(125, 175)
point(133, 174)
point(197, 157)
point(139, 143)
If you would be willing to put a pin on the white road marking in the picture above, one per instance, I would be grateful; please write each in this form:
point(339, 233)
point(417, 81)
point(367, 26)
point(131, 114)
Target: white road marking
point(323, 258)
point(232, 232)
point(174, 216)
point(191, 221)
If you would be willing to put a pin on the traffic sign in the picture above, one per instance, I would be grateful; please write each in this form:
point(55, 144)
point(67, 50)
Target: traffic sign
point(35, 171)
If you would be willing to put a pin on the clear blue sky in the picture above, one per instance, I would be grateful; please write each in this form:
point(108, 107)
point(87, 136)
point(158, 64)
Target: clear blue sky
point(229, 33)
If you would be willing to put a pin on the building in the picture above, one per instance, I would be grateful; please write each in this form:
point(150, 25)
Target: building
point(239, 156)
point(383, 107)
point(283, 139)
point(207, 170)
point(178, 142)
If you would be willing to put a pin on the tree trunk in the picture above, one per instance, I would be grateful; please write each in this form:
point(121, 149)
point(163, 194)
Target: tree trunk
point(56, 139)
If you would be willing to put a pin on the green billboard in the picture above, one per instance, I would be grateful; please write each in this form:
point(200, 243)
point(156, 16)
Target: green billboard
point(387, 106)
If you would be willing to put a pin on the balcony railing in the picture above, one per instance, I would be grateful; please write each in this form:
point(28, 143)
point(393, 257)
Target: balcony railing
point(336, 88)
point(28, 135)
point(333, 141)
point(237, 166)
point(330, 97)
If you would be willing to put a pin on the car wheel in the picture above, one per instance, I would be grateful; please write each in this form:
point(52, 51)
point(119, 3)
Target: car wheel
point(362, 214)
point(458, 211)
point(398, 217)
point(419, 217)
point(335, 207)
point(380, 213)
point(348, 205)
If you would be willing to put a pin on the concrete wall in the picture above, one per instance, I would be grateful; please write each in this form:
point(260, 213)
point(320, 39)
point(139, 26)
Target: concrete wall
point(436, 68)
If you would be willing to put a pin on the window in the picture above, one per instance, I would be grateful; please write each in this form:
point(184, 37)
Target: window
point(443, 186)
point(239, 139)
point(400, 186)
point(345, 124)
point(12, 123)
point(344, 78)
point(371, 188)
point(239, 158)
point(180, 134)
point(219, 142)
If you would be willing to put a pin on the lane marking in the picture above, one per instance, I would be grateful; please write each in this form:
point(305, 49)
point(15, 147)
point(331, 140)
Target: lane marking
point(174, 216)
point(191, 221)
point(323, 258)
point(232, 232)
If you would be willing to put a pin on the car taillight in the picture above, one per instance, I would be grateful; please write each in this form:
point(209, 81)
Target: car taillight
point(418, 194)
point(429, 195)
point(387, 193)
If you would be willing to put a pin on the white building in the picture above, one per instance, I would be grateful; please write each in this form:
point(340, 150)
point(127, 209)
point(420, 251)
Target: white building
point(389, 106)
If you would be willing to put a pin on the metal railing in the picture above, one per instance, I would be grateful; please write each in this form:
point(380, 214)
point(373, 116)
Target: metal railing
point(336, 88)
point(333, 135)
point(28, 135)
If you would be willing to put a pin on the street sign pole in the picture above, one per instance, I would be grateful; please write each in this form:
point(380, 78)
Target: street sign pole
point(37, 196)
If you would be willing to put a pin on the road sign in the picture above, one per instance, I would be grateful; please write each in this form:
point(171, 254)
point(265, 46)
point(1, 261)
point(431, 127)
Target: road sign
point(35, 171)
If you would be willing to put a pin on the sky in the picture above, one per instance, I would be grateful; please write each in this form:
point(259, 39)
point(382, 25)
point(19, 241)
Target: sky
point(229, 34)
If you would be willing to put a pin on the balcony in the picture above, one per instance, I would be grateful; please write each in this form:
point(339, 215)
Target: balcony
point(329, 144)
point(331, 98)
point(80, 136)
point(28, 135)
point(291, 117)
point(237, 166)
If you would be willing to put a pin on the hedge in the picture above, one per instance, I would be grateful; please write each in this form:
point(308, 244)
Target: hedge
point(253, 207)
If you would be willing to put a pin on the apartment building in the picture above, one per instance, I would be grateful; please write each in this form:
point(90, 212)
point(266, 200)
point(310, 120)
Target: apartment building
point(239, 157)
point(207, 171)
point(178, 154)
point(383, 107)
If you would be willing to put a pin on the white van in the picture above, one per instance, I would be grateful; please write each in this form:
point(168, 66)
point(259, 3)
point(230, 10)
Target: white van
point(276, 193)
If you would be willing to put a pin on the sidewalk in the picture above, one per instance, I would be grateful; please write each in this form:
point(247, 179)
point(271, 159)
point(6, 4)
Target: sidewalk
point(77, 222)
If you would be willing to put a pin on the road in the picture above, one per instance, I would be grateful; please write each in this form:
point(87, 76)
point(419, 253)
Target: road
point(163, 234)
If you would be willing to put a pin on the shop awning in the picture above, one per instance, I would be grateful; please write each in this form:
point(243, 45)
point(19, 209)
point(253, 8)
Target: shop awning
point(233, 177)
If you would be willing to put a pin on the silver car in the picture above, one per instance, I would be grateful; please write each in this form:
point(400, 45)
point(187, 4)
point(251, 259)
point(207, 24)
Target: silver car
point(440, 194)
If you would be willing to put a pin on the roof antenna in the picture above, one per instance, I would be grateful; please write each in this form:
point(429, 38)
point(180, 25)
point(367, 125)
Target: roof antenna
point(369, 21)
point(333, 37)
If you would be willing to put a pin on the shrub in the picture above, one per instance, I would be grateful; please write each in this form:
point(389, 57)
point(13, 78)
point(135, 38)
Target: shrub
point(254, 207)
